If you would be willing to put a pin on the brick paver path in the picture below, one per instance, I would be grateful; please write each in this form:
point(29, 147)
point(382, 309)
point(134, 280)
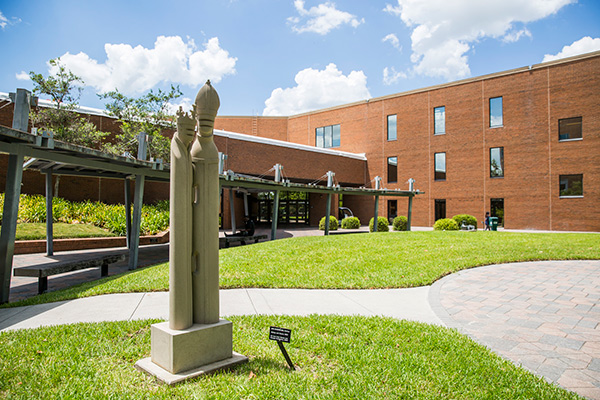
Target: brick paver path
point(544, 316)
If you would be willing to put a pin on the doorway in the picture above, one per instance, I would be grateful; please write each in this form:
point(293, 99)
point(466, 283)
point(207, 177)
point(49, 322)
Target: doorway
point(440, 209)
point(497, 210)
point(392, 210)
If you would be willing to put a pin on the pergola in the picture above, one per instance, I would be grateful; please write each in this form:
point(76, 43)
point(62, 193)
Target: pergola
point(52, 157)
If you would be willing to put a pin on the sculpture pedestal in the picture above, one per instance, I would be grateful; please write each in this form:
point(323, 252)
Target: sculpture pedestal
point(178, 355)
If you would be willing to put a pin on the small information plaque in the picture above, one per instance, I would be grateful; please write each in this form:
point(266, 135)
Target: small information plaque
point(280, 334)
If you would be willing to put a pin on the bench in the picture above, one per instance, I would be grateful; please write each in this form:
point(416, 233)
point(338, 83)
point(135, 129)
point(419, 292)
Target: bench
point(43, 271)
point(227, 240)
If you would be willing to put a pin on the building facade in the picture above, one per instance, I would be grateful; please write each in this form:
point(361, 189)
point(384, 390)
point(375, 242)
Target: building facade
point(522, 144)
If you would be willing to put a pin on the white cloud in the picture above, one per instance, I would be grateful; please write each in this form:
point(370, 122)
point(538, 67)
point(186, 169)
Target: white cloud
point(322, 18)
point(444, 31)
point(317, 89)
point(184, 102)
point(137, 69)
point(394, 41)
point(22, 76)
point(391, 76)
point(3, 21)
point(581, 46)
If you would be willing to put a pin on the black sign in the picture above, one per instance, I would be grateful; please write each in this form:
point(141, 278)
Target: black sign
point(280, 334)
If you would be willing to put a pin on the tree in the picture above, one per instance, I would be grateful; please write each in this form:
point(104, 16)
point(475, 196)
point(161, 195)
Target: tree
point(64, 88)
point(148, 113)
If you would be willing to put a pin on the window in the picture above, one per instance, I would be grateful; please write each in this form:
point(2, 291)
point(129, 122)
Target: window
point(440, 167)
point(440, 209)
point(328, 136)
point(497, 210)
point(496, 112)
point(391, 127)
point(497, 162)
point(392, 210)
point(439, 120)
point(392, 169)
point(569, 128)
point(571, 185)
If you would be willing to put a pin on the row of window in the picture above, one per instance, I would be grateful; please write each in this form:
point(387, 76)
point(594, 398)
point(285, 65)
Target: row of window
point(570, 185)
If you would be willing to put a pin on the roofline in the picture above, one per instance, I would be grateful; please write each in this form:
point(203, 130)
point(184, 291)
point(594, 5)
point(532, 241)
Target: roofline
point(454, 83)
point(289, 145)
point(49, 103)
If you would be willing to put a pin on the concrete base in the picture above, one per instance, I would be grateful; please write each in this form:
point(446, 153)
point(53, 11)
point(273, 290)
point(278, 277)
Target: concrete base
point(186, 349)
point(146, 365)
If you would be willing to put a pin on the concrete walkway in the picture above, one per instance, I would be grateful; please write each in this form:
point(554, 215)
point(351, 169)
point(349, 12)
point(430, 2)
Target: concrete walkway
point(544, 316)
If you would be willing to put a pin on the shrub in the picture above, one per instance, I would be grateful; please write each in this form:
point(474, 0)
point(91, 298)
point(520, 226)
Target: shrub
point(350, 223)
point(445, 224)
point(333, 223)
point(466, 218)
point(400, 223)
point(382, 225)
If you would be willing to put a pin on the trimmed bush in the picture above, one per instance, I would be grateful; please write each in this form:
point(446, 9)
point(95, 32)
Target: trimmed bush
point(350, 223)
point(466, 218)
point(333, 223)
point(400, 223)
point(445, 224)
point(382, 225)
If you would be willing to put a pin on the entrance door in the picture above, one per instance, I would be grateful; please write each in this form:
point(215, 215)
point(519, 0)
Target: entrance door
point(497, 210)
point(440, 209)
point(392, 210)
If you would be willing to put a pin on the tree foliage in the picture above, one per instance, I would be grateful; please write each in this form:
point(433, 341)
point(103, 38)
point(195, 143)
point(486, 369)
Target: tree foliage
point(64, 88)
point(148, 113)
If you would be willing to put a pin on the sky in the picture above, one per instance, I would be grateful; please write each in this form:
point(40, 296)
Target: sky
point(285, 57)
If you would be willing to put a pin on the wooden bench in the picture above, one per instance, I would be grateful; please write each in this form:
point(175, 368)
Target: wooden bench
point(43, 271)
point(227, 240)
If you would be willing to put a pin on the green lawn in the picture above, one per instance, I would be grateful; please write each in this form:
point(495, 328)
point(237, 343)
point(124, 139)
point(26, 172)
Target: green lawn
point(336, 357)
point(37, 231)
point(377, 260)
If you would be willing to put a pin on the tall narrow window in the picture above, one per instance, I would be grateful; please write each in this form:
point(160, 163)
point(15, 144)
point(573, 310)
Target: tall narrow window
point(392, 210)
point(571, 185)
point(439, 120)
point(328, 136)
point(319, 138)
point(440, 209)
point(440, 166)
point(391, 127)
point(497, 162)
point(496, 112)
point(569, 128)
point(392, 169)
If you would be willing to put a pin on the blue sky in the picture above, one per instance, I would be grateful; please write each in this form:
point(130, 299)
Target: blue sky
point(283, 57)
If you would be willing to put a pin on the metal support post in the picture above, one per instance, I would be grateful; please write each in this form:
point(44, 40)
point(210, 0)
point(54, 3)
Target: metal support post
point(49, 216)
point(128, 211)
point(410, 199)
point(137, 220)
point(246, 211)
point(375, 213)
point(232, 211)
point(275, 216)
point(14, 176)
point(327, 214)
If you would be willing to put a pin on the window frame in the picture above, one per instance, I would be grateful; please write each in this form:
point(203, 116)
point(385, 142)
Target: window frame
point(569, 196)
point(501, 162)
point(435, 169)
point(390, 139)
point(435, 125)
point(393, 166)
point(328, 137)
point(501, 112)
point(569, 139)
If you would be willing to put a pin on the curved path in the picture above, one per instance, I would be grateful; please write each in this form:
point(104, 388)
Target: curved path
point(544, 315)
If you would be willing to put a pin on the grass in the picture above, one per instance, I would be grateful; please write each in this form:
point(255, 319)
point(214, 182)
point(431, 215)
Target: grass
point(37, 231)
point(337, 357)
point(358, 261)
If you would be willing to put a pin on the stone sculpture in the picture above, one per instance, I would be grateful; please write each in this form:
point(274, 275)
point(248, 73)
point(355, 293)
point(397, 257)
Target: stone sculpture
point(194, 341)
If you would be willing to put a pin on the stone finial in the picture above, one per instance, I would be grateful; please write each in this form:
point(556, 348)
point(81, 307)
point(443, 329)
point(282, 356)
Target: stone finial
point(207, 104)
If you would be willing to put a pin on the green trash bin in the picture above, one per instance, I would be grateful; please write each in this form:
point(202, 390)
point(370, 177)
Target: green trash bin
point(494, 223)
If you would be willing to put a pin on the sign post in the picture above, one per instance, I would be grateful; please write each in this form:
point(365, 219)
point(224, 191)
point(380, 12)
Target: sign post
point(281, 335)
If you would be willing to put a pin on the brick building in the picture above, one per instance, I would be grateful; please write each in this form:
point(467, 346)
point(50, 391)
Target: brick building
point(523, 144)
